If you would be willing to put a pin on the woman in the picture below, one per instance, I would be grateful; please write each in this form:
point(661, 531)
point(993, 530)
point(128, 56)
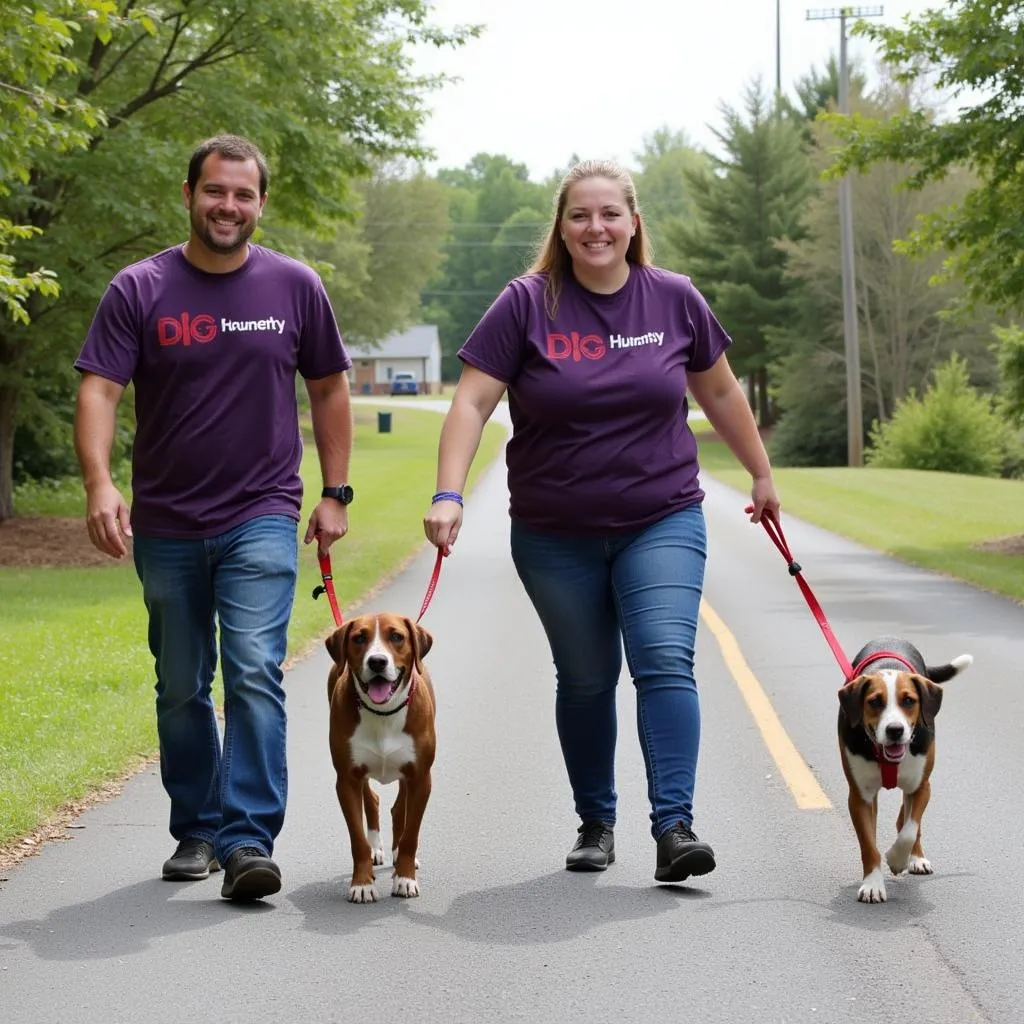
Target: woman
point(596, 348)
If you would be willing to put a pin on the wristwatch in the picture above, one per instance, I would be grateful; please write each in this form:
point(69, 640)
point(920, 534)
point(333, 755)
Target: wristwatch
point(344, 493)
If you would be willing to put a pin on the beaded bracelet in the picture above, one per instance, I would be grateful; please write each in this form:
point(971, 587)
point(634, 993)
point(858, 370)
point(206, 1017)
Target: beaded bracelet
point(446, 496)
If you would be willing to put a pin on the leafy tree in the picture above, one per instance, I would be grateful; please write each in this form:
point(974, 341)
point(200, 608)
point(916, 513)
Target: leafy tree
point(497, 216)
point(973, 48)
point(751, 200)
point(1011, 370)
point(666, 163)
point(904, 325)
point(951, 428)
point(325, 103)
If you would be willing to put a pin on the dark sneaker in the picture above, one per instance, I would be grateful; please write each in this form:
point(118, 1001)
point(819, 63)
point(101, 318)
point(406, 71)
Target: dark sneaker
point(681, 854)
point(192, 860)
point(594, 849)
point(250, 874)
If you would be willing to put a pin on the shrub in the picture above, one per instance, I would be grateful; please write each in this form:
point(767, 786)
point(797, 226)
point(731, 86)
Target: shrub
point(951, 429)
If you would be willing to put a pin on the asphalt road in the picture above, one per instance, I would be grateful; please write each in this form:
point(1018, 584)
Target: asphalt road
point(89, 933)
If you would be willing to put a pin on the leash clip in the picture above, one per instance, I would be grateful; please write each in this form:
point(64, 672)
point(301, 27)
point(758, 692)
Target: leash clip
point(795, 568)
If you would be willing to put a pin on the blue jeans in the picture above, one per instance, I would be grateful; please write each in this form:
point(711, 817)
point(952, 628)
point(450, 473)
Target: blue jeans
point(231, 794)
point(593, 594)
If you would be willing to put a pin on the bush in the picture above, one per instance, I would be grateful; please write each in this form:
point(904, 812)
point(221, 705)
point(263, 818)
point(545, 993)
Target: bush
point(950, 429)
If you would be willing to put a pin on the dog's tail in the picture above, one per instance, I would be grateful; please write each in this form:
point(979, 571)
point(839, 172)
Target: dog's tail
point(943, 673)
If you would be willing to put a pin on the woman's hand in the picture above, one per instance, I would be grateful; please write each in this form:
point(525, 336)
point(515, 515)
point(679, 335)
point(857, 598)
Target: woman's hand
point(442, 523)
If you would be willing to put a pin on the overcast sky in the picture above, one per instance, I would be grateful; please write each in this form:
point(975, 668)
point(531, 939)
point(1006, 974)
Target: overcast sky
point(549, 78)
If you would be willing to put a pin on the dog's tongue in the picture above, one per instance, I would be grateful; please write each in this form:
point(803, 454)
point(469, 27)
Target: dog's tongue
point(379, 691)
point(894, 751)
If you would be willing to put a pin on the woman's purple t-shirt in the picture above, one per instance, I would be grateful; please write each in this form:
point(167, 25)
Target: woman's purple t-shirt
point(213, 358)
point(597, 396)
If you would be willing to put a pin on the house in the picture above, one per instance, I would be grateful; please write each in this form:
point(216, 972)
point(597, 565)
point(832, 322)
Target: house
point(416, 350)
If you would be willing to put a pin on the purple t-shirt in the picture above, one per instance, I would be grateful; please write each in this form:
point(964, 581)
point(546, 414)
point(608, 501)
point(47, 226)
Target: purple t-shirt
point(213, 358)
point(597, 396)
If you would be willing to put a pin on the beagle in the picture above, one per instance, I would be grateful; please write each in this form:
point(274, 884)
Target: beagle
point(887, 739)
point(382, 711)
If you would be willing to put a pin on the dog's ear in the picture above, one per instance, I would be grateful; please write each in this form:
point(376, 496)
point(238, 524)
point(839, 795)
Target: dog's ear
point(930, 695)
point(851, 700)
point(336, 642)
point(421, 641)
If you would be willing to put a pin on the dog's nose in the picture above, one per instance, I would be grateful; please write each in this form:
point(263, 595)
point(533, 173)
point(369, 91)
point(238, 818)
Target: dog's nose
point(377, 663)
point(894, 733)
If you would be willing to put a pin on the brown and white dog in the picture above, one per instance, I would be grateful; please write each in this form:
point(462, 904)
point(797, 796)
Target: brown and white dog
point(381, 727)
point(887, 738)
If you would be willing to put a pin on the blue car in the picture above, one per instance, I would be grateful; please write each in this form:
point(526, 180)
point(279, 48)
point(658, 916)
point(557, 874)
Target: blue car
point(404, 384)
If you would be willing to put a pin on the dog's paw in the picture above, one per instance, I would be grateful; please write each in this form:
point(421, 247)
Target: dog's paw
point(376, 847)
point(363, 894)
point(920, 866)
point(897, 857)
point(872, 889)
point(394, 858)
point(405, 887)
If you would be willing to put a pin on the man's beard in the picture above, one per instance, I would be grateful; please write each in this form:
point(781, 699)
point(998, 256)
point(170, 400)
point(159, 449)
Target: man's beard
point(245, 230)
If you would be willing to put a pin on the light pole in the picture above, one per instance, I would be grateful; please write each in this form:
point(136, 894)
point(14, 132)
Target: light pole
point(778, 49)
point(854, 416)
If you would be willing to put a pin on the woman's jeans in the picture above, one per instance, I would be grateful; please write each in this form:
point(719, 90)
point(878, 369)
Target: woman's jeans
point(594, 593)
point(244, 581)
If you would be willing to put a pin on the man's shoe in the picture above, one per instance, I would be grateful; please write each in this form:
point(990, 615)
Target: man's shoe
point(594, 849)
point(250, 874)
point(192, 860)
point(681, 854)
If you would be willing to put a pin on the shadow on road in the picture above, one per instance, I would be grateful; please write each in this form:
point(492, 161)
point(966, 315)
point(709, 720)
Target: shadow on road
point(552, 908)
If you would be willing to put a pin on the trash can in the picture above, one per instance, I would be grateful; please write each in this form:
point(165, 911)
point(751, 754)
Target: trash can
point(383, 423)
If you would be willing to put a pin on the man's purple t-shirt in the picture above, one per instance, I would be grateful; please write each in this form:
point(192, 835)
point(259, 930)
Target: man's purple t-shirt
point(213, 358)
point(597, 396)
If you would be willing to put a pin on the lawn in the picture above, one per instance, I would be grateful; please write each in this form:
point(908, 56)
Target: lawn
point(933, 520)
point(76, 701)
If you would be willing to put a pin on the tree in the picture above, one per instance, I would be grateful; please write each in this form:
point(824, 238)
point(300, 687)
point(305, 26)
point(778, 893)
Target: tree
point(379, 263)
point(667, 162)
point(751, 200)
point(904, 321)
point(497, 217)
point(973, 49)
point(325, 103)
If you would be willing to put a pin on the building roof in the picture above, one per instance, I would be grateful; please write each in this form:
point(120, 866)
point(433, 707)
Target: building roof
point(420, 341)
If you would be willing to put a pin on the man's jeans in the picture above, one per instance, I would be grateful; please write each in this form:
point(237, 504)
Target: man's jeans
point(592, 594)
point(243, 581)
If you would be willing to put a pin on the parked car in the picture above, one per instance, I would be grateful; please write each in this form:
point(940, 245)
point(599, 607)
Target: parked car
point(404, 383)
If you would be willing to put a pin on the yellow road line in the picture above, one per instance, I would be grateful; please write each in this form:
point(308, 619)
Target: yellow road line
point(802, 783)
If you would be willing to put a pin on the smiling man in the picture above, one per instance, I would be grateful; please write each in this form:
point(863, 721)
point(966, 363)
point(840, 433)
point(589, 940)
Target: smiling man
point(212, 333)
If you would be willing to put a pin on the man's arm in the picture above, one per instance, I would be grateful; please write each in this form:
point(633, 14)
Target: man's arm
point(107, 513)
point(331, 410)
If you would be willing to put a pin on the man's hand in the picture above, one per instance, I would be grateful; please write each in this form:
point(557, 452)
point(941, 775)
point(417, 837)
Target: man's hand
point(107, 517)
point(328, 523)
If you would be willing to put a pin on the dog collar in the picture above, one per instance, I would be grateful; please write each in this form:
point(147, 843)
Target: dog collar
point(393, 711)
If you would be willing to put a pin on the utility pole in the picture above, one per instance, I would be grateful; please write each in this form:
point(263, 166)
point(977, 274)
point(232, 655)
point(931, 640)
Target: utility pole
point(778, 50)
point(854, 415)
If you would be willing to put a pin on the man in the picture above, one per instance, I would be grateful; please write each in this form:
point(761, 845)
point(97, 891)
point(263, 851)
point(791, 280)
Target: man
point(211, 333)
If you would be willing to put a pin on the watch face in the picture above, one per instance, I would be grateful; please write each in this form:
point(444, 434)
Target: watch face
point(344, 494)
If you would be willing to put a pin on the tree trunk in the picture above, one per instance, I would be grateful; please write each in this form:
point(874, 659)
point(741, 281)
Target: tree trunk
point(764, 411)
point(8, 409)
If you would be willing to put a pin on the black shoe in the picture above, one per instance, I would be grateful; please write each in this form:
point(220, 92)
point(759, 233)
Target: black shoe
point(250, 874)
point(594, 849)
point(681, 854)
point(191, 861)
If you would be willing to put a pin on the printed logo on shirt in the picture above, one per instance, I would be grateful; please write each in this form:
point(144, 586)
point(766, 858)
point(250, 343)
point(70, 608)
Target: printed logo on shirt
point(575, 346)
point(203, 328)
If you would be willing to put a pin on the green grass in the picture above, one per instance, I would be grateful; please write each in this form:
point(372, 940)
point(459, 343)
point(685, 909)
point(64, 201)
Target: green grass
point(76, 700)
point(933, 520)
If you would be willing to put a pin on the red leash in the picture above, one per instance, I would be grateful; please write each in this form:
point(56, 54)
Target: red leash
point(328, 585)
point(773, 528)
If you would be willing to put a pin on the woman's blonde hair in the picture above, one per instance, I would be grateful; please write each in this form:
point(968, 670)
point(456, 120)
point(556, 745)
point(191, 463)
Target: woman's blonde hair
point(553, 257)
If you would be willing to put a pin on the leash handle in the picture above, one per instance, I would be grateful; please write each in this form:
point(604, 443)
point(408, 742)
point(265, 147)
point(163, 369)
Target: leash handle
point(774, 530)
point(328, 586)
